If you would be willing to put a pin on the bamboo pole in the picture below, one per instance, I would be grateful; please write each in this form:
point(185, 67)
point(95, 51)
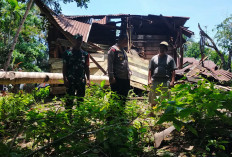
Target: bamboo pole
point(13, 77)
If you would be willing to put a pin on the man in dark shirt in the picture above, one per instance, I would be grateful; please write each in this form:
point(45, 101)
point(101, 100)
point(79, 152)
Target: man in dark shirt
point(118, 68)
point(75, 72)
point(161, 72)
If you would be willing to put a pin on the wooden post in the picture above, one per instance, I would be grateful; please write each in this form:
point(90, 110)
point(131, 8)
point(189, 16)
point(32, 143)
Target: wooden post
point(98, 65)
point(181, 50)
point(174, 50)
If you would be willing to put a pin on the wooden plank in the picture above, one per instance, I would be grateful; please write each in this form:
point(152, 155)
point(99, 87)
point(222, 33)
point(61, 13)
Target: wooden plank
point(57, 65)
point(139, 80)
point(140, 75)
point(104, 66)
point(156, 48)
point(103, 70)
point(146, 44)
point(93, 71)
point(63, 42)
point(56, 71)
point(156, 52)
point(93, 65)
point(137, 67)
point(58, 90)
point(149, 56)
point(57, 61)
point(52, 60)
point(137, 85)
point(137, 60)
point(161, 37)
point(98, 57)
point(157, 42)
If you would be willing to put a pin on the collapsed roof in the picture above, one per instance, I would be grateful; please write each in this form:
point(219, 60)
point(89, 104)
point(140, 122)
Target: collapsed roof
point(193, 69)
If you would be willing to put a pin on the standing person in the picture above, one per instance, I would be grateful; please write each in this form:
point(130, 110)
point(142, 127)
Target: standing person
point(161, 72)
point(118, 68)
point(76, 72)
point(119, 78)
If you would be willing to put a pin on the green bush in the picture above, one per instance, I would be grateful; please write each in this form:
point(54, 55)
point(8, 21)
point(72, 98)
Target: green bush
point(100, 125)
point(203, 110)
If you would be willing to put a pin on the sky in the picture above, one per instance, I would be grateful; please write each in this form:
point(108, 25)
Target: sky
point(208, 13)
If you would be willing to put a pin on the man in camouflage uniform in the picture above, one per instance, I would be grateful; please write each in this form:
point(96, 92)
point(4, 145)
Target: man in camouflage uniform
point(75, 72)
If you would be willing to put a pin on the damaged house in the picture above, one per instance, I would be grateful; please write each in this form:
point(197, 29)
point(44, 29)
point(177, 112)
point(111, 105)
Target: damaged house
point(101, 31)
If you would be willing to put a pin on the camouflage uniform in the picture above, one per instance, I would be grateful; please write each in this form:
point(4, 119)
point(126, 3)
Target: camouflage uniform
point(75, 65)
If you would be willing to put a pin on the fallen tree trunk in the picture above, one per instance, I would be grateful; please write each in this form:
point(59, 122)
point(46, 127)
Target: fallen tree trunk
point(13, 77)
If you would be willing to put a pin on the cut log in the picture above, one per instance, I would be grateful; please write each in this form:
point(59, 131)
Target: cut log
point(13, 77)
point(160, 136)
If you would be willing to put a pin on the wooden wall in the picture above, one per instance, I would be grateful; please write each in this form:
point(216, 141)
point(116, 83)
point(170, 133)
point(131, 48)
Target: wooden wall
point(138, 66)
point(149, 44)
point(57, 64)
point(55, 49)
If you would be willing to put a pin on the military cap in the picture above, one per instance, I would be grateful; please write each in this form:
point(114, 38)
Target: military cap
point(78, 37)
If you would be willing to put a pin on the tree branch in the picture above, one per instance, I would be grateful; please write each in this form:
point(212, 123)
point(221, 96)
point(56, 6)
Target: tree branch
point(202, 33)
point(76, 132)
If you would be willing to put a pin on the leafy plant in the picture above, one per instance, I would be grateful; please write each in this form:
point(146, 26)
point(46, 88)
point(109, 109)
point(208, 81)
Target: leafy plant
point(100, 125)
point(202, 109)
point(41, 93)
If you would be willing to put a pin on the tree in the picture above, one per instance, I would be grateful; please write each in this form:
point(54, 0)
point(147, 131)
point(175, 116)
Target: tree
point(10, 18)
point(224, 38)
point(193, 50)
point(29, 50)
point(206, 40)
point(57, 8)
point(17, 33)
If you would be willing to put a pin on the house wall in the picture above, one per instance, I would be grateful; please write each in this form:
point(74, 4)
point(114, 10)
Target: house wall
point(149, 44)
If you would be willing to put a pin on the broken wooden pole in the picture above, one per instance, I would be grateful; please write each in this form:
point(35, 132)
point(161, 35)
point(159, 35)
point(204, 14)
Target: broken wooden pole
point(13, 77)
point(160, 136)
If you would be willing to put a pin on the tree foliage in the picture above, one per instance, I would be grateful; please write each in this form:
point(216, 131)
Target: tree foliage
point(203, 110)
point(55, 4)
point(193, 50)
point(224, 38)
point(14, 5)
point(31, 50)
